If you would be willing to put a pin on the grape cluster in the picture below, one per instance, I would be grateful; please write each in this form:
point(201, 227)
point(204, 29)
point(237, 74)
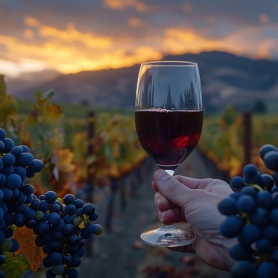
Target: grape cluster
point(61, 226)
point(16, 164)
point(62, 230)
point(252, 217)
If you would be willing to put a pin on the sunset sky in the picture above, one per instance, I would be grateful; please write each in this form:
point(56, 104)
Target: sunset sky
point(75, 35)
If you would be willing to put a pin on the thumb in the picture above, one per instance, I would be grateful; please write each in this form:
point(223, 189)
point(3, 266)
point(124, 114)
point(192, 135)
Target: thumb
point(173, 190)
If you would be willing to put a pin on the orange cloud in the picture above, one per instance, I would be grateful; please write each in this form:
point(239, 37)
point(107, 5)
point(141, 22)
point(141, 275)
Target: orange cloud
point(135, 22)
point(70, 35)
point(263, 18)
point(124, 4)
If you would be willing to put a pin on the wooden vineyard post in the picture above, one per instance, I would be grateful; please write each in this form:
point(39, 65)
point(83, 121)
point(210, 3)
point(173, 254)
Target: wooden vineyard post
point(247, 133)
point(89, 194)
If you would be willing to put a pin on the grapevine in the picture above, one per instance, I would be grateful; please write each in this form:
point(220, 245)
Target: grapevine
point(252, 217)
point(60, 226)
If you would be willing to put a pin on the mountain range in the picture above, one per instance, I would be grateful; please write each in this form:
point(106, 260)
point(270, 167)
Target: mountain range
point(227, 80)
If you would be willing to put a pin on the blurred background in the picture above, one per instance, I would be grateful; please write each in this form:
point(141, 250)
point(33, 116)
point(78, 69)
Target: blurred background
point(70, 70)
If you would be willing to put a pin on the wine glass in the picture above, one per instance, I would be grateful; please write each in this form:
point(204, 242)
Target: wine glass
point(169, 120)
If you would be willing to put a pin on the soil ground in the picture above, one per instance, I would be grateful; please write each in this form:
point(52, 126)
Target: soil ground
point(121, 254)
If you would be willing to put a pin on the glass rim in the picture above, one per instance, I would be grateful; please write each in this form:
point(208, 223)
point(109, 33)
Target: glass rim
point(169, 63)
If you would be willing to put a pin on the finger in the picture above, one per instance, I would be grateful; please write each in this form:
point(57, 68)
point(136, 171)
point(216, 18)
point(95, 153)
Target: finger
point(171, 216)
point(154, 186)
point(161, 202)
point(176, 192)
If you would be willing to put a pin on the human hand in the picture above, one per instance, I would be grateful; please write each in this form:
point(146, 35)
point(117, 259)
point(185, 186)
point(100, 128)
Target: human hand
point(183, 199)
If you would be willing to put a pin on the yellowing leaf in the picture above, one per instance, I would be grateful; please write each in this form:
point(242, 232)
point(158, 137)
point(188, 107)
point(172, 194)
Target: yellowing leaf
point(53, 114)
point(15, 266)
point(26, 239)
point(65, 160)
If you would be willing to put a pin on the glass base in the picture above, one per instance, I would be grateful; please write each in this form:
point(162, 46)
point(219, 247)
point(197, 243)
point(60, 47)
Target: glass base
point(168, 236)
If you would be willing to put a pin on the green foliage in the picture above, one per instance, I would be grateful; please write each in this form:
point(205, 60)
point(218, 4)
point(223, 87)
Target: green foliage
point(15, 266)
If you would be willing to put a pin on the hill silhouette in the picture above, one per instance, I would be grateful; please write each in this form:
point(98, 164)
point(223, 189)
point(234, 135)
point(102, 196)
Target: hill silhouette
point(227, 79)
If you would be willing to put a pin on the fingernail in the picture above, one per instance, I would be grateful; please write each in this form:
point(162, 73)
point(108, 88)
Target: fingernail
point(161, 176)
point(162, 215)
point(157, 201)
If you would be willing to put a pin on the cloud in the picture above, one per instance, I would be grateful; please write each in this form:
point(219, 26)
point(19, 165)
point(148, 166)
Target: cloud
point(123, 5)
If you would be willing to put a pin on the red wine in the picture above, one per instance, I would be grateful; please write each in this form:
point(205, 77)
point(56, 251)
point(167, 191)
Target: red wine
point(168, 136)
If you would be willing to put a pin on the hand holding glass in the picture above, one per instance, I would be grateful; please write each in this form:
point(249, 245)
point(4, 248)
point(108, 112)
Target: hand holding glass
point(169, 120)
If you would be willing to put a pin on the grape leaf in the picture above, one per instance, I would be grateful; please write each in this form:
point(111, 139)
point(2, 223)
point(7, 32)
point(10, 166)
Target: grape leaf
point(15, 266)
point(33, 254)
point(8, 107)
point(53, 114)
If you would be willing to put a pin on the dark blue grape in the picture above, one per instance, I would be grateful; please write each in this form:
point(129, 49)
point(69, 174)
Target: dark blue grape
point(50, 274)
point(8, 159)
point(17, 151)
point(2, 259)
point(37, 165)
point(21, 171)
point(268, 181)
point(68, 199)
point(25, 160)
point(2, 134)
point(70, 209)
point(264, 200)
point(265, 149)
point(55, 245)
point(88, 209)
point(2, 178)
point(239, 252)
point(46, 262)
point(85, 233)
point(260, 217)
point(15, 246)
point(43, 227)
point(29, 213)
point(246, 203)
point(25, 149)
point(243, 269)
point(78, 203)
point(13, 181)
point(251, 233)
point(50, 196)
point(56, 258)
point(93, 216)
point(270, 232)
point(228, 206)
point(267, 269)
point(274, 216)
point(68, 230)
point(9, 144)
point(263, 246)
point(237, 182)
point(72, 273)
point(7, 193)
point(54, 218)
point(73, 239)
point(7, 170)
point(271, 160)
point(274, 256)
point(20, 198)
point(75, 261)
point(58, 269)
point(249, 190)
point(19, 220)
point(250, 172)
